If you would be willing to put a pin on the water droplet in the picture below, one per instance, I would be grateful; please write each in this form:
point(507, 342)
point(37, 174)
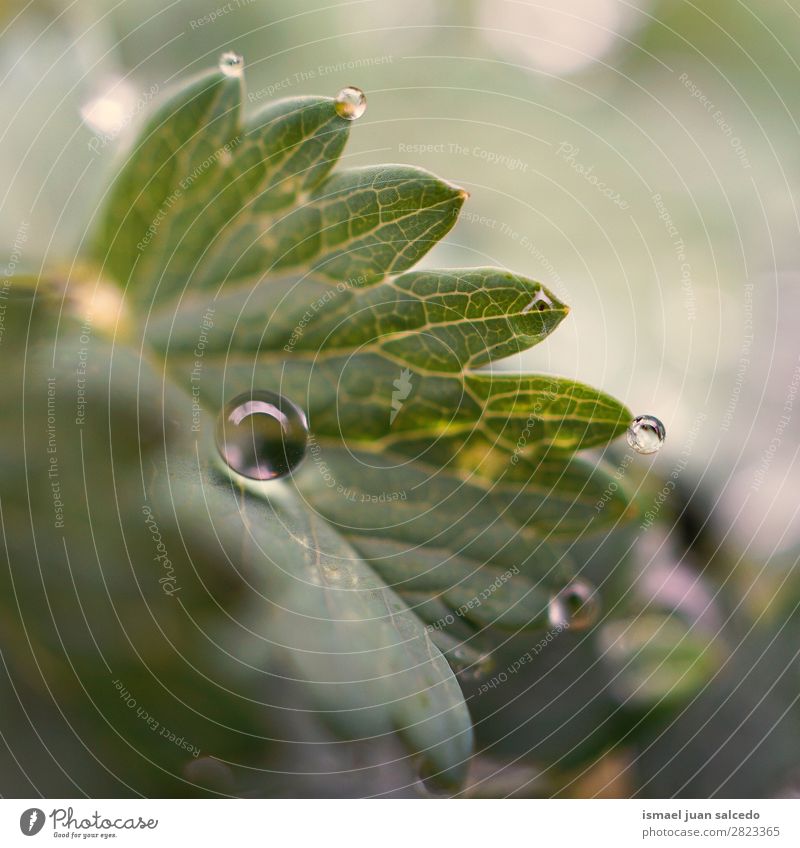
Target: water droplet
point(351, 103)
point(575, 606)
point(541, 301)
point(646, 434)
point(231, 64)
point(262, 435)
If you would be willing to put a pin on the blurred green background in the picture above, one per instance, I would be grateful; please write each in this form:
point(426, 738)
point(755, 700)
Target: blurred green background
point(641, 159)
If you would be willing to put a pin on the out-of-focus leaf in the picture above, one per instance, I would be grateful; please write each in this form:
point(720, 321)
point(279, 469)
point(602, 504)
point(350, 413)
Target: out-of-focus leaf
point(322, 616)
point(657, 658)
point(327, 585)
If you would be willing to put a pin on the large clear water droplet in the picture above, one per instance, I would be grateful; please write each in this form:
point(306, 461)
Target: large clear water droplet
point(231, 64)
point(575, 607)
point(351, 103)
point(262, 435)
point(646, 434)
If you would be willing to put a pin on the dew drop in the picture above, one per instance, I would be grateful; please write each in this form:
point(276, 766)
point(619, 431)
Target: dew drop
point(231, 64)
point(575, 606)
point(262, 435)
point(541, 301)
point(351, 103)
point(646, 434)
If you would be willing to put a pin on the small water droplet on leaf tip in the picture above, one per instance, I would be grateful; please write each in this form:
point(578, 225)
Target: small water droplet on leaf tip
point(350, 103)
point(231, 64)
point(646, 434)
point(262, 435)
point(541, 301)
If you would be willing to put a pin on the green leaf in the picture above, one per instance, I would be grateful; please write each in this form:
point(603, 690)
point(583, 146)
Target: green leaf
point(260, 589)
point(438, 321)
point(436, 533)
point(85, 599)
point(432, 489)
point(365, 224)
point(366, 397)
point(483, 544)
point(168, 178)
point(206, 199)
point(555, 499)
point(321, 616)
point(657, 659)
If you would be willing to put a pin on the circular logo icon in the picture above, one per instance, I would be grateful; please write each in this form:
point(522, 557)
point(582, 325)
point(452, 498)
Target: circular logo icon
point(31, 821)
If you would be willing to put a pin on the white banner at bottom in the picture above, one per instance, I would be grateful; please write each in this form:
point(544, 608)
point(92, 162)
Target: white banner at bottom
point(389, 823)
